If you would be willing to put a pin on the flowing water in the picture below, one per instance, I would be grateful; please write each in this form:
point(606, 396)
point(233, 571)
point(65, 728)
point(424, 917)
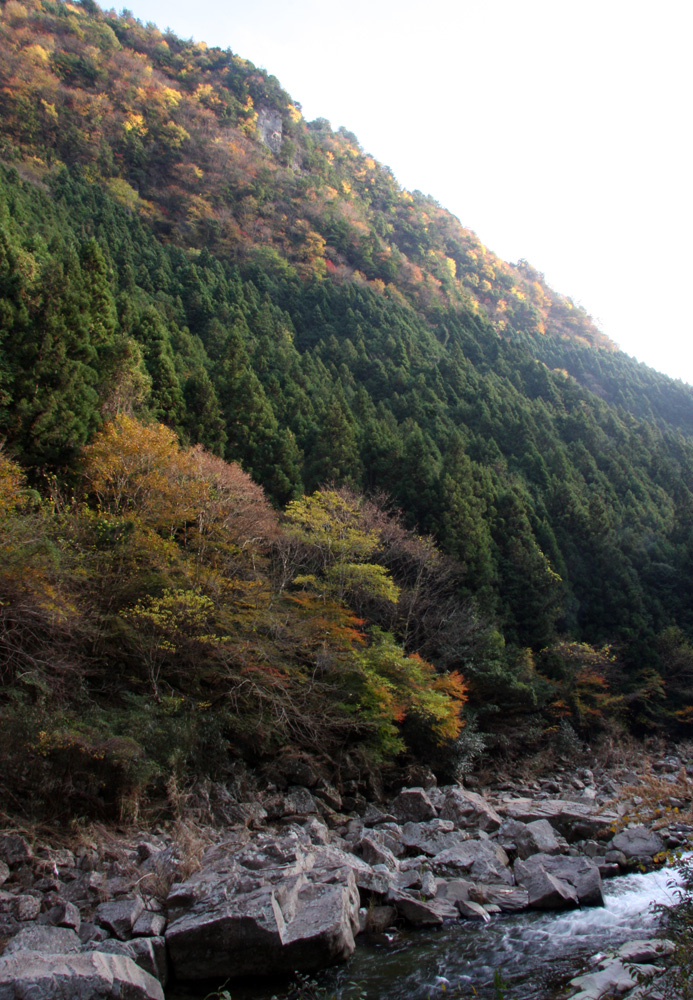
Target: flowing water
point(533, 952)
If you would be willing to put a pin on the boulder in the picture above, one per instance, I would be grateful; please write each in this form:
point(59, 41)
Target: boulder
point(580, 873)
point(420, 912)
point(377, 854)
point(14, 850)
point(508, 899)
point(149, 924)
point(4, 872)
point(275, 905)
point(374, 881)
point(64, 914)
point(149, 953)
point(92, 976)
point(295, 802)
point(469, 810)
point(317, 831)
point(454, 889)
point(432, 837)
point(573, 820)
point(413, 804)
point(537, 837)
point(613, 980)
point(648, 951)
point(546, 892)
point(43, 938)
point(482, 860)
point(472, 911)
point(297, 924)
point(19, 907)
point(638, 842)
point(379, 918)
point(390, 836)
point(119, 916)
point(329, 795)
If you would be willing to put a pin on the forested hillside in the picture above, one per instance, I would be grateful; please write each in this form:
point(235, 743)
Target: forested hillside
point(463, 491)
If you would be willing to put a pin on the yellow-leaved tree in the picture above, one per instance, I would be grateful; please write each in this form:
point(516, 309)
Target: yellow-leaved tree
point(329, 524)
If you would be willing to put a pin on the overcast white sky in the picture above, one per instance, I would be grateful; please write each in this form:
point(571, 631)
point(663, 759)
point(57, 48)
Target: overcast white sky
point(558, 130)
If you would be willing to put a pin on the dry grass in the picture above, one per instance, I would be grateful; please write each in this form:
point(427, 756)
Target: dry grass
point(651, 800)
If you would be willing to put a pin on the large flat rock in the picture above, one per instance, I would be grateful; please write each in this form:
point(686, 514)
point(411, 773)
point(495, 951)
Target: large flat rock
point(92, 976)
point(573, 820)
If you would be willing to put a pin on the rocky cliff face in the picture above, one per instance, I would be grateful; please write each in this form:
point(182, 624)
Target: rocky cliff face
point(269, 127)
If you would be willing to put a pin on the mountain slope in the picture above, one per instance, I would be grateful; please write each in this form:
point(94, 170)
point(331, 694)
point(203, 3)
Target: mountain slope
point(178, 245)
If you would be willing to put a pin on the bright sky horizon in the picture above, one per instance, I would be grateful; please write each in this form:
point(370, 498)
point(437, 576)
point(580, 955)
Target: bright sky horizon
point(557, 131)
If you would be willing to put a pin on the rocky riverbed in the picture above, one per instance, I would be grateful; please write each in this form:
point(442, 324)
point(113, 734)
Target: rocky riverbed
point(287, 878)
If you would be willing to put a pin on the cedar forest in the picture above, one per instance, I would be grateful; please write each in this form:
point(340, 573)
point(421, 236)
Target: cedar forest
point(291, 462)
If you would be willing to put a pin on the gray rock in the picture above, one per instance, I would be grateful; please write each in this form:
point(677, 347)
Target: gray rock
point(296, 802)
point(377, 854)
point(616, 858)
point(537, 837)
point(615, 979)
point(119, 917)
point(92, 976)
point(580, 873)
point(413, 804)
point(91, 932)
point(148, 953)
point(14, 850)
point(508, 899)
point(4, 872)
point(64, 914)
point(469, 810)
point(86, 888)
point(273, 906)
point(269, 126)
point(573, 820)
point(638, 842)
point(649, 950)
point(419, 912)
point(149, 924)
point(546, 892)
point(43, 938)
point(19, 907)
point(329, 795)
point(274, 929)
point(483, 861)
point(607, 869)
point(379, 918)
point(378, 882)
point(390, 836)
point(58, 859)
point(317, 831)
point(432, 837)
point(472, 911)
point(454, 889)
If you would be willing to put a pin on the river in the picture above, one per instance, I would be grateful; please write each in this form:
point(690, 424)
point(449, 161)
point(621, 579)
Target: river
point(534, 952)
